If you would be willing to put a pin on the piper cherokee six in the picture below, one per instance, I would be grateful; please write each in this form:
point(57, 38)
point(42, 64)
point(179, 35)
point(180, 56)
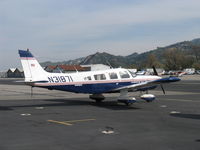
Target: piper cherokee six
point(94, 83)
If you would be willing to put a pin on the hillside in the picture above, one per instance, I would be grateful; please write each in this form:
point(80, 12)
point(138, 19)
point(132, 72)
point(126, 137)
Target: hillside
point(133, 59)
point(68, 62)
point(105, 58)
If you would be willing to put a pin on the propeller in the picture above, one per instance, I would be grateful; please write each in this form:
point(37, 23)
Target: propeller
point(156, 73)
point(162, 88)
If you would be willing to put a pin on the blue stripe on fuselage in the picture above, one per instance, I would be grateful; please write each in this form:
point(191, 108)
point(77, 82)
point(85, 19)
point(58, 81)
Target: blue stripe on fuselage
point(90, 88)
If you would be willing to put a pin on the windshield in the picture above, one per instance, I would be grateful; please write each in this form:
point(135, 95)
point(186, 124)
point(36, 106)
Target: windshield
point(132, 73)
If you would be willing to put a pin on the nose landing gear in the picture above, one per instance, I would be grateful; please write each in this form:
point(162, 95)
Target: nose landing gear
point(124, 98)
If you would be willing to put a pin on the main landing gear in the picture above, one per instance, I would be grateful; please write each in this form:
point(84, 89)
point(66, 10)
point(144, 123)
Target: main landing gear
point(97, 97)
point(124, 98)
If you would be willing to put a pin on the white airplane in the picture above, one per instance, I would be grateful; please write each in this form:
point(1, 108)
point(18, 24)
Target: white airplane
point(92, 82)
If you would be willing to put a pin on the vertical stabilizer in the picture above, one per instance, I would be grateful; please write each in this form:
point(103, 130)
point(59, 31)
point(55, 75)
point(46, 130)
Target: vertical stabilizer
point(32, 69)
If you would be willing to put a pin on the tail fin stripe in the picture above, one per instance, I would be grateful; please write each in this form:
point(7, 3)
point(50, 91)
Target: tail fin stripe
point(25, 54)
point(27, 58)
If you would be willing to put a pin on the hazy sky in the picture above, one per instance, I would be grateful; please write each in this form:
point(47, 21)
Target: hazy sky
point(66, 29)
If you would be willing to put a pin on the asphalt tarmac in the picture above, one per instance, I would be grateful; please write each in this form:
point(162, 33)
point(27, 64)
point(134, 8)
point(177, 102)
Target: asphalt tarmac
point(54, 120)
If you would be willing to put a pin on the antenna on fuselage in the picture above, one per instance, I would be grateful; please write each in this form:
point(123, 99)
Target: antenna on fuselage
point(75, 68)
point(108, 62)
point(59, 69)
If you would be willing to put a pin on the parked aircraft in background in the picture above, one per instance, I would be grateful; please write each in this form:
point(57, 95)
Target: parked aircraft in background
point(92, 82)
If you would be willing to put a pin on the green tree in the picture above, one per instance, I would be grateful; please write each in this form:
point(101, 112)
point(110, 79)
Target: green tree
point(196, 52)
point(152, 61)
point(196, 66)
point(174, 59)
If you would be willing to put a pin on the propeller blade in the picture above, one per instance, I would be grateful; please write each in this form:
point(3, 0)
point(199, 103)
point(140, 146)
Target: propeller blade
point(162, 88)
point(155, 71)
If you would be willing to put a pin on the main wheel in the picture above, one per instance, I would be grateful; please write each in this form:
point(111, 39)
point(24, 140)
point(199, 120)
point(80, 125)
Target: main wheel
point(148, 101)
point(128, 104)
point(98, 100)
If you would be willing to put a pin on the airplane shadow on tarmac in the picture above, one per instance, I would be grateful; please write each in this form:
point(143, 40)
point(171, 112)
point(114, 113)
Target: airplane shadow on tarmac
point(5, 108)
point(105, 104)
point(189, 116)
point(113, 105)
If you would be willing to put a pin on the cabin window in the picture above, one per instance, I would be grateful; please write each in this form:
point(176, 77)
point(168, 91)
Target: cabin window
point(124, 74)
point(100, 77)
point(87, 78)
point(113, 75)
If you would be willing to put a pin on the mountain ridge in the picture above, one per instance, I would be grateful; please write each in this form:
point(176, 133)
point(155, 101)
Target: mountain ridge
point(132, 59)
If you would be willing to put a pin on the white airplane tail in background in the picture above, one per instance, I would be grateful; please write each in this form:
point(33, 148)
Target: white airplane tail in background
point(32, 69)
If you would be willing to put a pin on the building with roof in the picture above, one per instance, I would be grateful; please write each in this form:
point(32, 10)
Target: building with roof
point(15, 73)
point(64, 68)
point(50, 68)
point(95, 67)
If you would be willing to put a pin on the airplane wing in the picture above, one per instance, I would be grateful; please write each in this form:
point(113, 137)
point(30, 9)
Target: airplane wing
point(149, 84)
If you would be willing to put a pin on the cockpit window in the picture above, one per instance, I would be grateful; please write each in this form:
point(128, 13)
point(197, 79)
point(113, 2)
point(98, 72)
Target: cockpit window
point(124, 74)
point(100, 77)
point(113, 75)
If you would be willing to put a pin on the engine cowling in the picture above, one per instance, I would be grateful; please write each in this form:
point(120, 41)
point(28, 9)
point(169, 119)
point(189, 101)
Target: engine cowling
point(148, 97)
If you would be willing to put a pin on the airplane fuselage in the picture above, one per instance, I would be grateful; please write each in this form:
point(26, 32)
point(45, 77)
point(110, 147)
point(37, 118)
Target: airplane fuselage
point(93, 82)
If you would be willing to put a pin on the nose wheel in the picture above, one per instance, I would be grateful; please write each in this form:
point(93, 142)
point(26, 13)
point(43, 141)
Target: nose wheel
point(127, 102)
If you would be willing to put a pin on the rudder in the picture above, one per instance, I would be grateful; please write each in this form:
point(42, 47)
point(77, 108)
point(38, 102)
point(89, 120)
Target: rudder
point(32, 69)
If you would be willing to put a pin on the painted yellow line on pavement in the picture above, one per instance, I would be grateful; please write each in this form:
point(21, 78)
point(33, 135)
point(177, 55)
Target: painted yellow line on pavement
point(69, 123)
point(60, 122)
point(83, 120)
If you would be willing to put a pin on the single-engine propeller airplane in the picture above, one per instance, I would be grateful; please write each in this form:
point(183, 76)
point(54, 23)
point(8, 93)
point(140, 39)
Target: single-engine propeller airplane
point(94, 83)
